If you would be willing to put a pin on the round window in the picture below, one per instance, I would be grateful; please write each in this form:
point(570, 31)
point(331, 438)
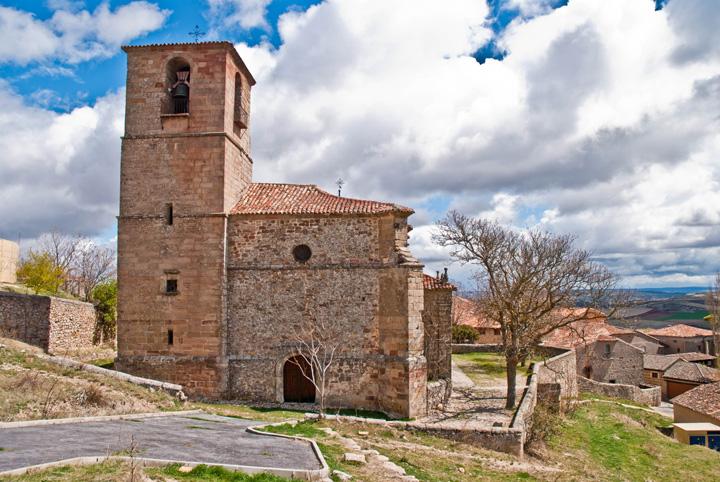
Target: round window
point(302, 253)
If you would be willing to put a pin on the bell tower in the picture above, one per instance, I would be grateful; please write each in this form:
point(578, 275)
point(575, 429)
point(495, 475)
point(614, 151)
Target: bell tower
point(185, 162)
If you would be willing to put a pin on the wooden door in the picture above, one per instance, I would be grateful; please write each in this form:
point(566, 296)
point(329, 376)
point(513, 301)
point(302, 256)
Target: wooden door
point(296, 386)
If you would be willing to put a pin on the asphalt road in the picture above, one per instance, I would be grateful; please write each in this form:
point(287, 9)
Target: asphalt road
point(199, 438)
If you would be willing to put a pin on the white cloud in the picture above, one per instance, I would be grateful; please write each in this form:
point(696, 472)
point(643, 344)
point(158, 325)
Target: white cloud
point(74, 36)
point(245, 13)
point(590, 124)
point(59, 170)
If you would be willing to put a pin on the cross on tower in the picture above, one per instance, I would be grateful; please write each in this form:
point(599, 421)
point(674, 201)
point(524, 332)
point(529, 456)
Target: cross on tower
point(196, 33)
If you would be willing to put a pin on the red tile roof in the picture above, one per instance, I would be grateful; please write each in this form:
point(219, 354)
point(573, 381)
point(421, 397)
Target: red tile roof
point(579, 333)
point(692, 372)
point(269, 198)
point(434, 283)
point(466, 312)
point(663, 362)
point(679, 331)
point(702, 399)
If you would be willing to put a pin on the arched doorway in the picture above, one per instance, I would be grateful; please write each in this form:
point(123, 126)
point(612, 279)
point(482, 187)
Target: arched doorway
point(296, 387)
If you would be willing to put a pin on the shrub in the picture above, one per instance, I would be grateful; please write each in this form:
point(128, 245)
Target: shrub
point(40, 273)
point(464, 334)
point(105, 299)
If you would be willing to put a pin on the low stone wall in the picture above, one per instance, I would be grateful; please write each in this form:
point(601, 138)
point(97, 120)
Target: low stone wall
point(473, 348)
point(522, 420)
point(438, 392)
point(647, 396)
point(53, 324)
point(557, 378)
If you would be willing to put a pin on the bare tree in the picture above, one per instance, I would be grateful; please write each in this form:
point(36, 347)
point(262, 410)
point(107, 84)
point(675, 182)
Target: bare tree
point(531, 282)
point(317, 343)
point(63, 248)
point(712, 301)
point(95, 264)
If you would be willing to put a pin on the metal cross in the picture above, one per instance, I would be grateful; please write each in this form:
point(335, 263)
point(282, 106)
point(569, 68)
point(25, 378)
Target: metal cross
point(196, 33)
point(340, 184)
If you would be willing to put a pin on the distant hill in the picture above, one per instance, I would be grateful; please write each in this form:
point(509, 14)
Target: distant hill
point(671, 292)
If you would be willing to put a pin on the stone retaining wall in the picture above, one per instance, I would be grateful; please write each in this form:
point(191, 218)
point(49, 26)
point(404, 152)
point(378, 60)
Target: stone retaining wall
point(647, 396)
point(557, 378)
point(54, 324)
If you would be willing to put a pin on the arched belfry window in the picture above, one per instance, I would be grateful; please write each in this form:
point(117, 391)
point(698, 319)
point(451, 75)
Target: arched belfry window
point(178, 87)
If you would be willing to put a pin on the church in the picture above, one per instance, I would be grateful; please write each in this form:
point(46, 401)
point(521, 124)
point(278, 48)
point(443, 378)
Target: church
point(217, 273)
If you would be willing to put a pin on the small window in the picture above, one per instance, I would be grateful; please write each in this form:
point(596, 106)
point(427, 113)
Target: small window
point(169, 214)
point(170, 337)
point(171, 286)
point(608, 348)
point(654, 374)
point(302, 253)
point(611, 381)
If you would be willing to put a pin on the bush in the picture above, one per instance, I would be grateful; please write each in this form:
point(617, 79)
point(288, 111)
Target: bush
point(40, 273)
point(105, 298)
point(464, 334)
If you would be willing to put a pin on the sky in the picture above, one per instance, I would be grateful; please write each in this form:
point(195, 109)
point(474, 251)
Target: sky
point(595, 118)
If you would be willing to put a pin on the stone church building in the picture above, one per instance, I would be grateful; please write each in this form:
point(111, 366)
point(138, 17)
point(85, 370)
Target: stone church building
point(216, 272)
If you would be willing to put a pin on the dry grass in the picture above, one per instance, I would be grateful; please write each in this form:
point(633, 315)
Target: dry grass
point(31, 388)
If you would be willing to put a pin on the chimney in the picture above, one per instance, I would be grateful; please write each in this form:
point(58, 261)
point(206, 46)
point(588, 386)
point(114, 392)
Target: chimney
point(445, 276)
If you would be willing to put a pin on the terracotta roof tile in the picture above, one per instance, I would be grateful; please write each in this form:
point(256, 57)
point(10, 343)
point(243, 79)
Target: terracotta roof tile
point(269, 198)
point(663, 362)
point(579, 333)
point(692, 372)
point(434, 283)
point(466, 312)
point(702, 399)
point(679, 331)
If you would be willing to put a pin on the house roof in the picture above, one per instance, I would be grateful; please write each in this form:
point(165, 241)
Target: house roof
point(466, 312)
point(579, 333)
point(663, 362)
point(702, 399)
point(679, 331)
point(691, 372)
point(435, 283)
point(271, 198)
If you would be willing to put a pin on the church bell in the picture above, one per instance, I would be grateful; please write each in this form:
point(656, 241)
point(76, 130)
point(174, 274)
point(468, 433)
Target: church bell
point(182, 90)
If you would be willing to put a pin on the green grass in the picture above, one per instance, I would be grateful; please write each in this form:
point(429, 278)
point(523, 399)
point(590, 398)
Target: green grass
point(481, 366)
point(108, 363)
point(307, 429)
point(250, 413)
point(202, 473)
point(604, 441)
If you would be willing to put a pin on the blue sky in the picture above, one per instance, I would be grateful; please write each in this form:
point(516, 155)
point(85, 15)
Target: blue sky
point(84, 82)
point(596, 118)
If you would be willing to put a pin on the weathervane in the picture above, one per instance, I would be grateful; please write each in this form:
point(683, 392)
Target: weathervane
point(196, 33)
point(340, 184)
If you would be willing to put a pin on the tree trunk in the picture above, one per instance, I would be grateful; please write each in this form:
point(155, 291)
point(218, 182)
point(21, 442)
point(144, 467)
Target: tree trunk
point(511, 372)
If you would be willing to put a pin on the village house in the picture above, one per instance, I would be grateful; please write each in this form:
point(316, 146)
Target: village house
point(701, 404)
point(218, 274)
point(654, 367)
point(610, 360)
point(682, 376)
point(465, 312)
point(648, 344)
point(683, 338)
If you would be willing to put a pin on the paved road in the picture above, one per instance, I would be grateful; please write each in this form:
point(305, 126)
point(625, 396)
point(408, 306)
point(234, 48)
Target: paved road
point(665, 409)
point(193, 438)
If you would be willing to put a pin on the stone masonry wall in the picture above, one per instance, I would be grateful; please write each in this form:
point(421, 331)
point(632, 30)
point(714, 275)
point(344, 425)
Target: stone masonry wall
point(199, 163)
point(647, 396)
point(350, 284)
point(623, 363)
point(53, 324)
point(557, 378)
point(437, 319)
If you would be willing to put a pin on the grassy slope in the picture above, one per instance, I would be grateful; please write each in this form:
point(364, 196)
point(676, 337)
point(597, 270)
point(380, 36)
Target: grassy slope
point(602, 441)
point(31, 388)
